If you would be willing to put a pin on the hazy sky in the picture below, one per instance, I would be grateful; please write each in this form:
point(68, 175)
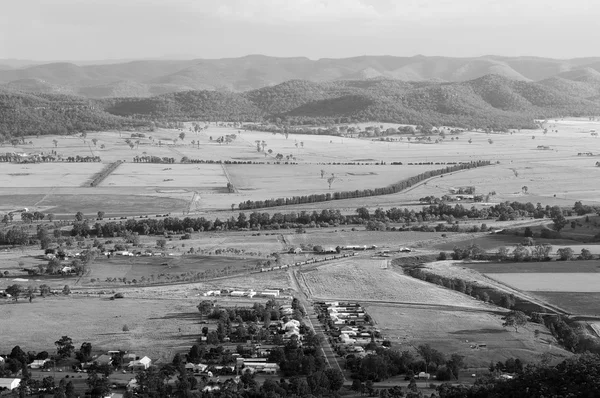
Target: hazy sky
point(118, 29)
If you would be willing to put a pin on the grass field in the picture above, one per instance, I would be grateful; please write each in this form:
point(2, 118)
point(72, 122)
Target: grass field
point(202, 177)
point(547, 173)
point(536, 267)
point(550, 281)
point(138, 267)
point(370, 281)
point(585, 303)
point(47, 174)
point(154, 324)
point(456, 331)
point(289, 180)
point(492, 242)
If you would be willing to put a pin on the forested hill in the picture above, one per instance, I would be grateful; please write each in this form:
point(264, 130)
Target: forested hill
point(489, 101)
point(24, 114)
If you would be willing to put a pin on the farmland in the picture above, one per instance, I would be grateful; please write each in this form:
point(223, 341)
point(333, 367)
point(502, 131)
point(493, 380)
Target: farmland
point(559, 282)
point(153, 324)
point(407, 309)
point(458, 331)
point(372, 280)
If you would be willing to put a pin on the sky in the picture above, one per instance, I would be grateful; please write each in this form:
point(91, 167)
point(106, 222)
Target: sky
point(82, 30)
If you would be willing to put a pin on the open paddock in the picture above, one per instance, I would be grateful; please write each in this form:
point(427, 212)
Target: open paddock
point(346, 237)
point(456, 331)
point(90, 204)
point(358, 279)
point(551, 281)
point(569, 267)
point(45, 175)
point(297, 180)
point(157, 327)
point(201, 177)
point(581, 303)
point(151, 267)
point(492, 242)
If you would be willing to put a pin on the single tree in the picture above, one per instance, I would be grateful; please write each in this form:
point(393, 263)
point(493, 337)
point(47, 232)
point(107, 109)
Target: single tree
point(204, 307)
point(515, 319)
point(64, 347)
point(14, 290)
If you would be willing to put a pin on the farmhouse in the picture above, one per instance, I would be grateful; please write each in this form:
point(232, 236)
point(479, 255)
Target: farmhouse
point(257, 365)
point(196, 368)
point(270, 293)
point(9, 383)
point(103, 360)
point(38, 363)
point(140, 364)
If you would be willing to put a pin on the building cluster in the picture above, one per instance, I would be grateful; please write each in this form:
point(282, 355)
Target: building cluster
point(348, 325)
point(270, 293)
point(311, 261)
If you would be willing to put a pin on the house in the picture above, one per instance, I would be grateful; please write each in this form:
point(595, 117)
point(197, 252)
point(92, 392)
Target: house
point(38, 363)
point(196, 368)
point(270, 293)
point(140, 364)
point(103, 360)
point(9, 383)
point(292, 324)
point(237, 293)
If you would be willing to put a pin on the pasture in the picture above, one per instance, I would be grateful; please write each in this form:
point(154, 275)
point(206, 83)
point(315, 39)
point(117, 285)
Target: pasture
point(201, 177)
point(290, 180)
point(583, 303)
point(157, 327)
point(47, 175)
point(547, 173)
point(154, 268)
point(359, 279)
point(551, 281)
point(535, 267)
point(451, 331)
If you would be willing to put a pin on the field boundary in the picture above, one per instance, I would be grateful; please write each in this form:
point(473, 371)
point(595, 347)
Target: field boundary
point(104, 173)
point(394, 188)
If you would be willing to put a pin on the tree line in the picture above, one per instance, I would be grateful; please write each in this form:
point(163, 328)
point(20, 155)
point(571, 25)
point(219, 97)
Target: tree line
point(390, 189)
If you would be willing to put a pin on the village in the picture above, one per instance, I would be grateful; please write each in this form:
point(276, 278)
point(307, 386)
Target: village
point(232, 342)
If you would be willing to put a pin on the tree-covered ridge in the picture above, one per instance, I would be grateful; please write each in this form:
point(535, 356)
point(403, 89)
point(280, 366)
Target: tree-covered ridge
point(187, 105)
point(487, 102)
point(28, 114)
point(490, 101)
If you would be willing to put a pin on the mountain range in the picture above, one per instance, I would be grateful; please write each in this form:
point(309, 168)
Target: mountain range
point(155, 77)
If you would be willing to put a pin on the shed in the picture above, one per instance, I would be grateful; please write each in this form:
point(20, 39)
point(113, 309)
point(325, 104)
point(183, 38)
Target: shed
point(9, 383)
point(140, 364)
point(38, 363)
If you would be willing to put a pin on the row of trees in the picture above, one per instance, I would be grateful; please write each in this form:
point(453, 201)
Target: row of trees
point(391, 189)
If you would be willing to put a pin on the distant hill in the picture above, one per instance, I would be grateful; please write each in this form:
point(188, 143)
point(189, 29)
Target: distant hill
point(490, 101)
point(28, 114)
point(152, 77)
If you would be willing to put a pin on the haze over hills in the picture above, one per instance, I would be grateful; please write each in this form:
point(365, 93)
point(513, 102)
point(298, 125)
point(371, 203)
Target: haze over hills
point(152, 77)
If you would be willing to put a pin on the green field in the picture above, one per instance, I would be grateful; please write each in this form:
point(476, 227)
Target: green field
point(574, 302)
point(138, 267)
point(536, 267)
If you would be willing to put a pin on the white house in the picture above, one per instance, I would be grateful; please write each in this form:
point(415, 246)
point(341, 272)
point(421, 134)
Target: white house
point(140, 364)
point(38, 363)
point(9, 383)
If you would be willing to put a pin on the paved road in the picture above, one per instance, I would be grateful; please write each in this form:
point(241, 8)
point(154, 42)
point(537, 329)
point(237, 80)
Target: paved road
point(328, 352)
